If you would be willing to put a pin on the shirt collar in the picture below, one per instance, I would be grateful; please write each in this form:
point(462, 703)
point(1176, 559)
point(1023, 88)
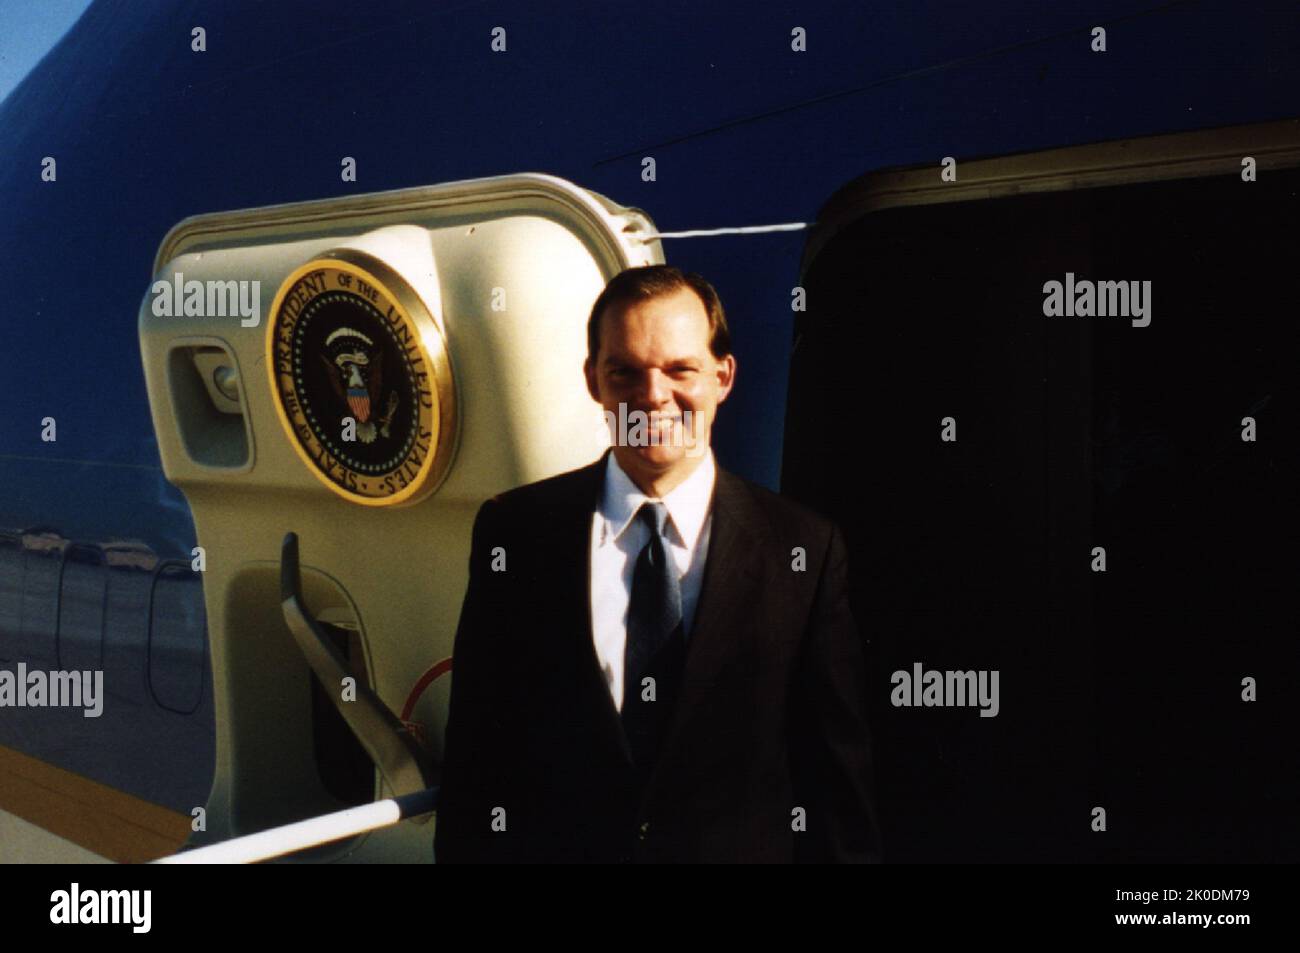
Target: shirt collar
point(687, 503)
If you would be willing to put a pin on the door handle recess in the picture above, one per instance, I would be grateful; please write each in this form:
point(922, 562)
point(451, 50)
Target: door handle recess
point(396, 754)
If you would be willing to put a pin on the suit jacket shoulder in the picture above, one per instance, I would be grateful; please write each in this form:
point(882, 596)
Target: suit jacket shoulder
point(761, 508)
point(773, 526)
point(784, 515)
point(559, 493)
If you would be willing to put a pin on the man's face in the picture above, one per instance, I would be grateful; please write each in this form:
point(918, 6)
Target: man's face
point(654, 358)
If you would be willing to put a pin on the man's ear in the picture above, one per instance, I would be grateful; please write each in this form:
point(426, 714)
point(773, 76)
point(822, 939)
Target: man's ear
point(589, 372)
point(726, 376)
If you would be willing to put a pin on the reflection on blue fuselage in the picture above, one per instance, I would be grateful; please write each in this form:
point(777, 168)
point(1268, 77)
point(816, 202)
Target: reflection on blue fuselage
point(115, 608)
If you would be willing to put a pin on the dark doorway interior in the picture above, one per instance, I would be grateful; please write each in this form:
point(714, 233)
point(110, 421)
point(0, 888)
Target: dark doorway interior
point(1121, 689)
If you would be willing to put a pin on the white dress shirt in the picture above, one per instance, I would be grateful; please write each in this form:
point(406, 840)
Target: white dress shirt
point(617, 538)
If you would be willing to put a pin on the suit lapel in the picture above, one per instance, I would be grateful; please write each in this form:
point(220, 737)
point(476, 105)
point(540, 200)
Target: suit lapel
point(731, 572)
point(583, 503)
point(732, 580)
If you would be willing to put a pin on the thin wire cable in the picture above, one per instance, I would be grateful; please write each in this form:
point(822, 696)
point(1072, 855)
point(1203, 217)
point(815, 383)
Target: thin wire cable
point(738, 230)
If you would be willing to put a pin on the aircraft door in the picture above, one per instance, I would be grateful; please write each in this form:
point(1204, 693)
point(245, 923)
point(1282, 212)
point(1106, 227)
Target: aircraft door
point(363, 372)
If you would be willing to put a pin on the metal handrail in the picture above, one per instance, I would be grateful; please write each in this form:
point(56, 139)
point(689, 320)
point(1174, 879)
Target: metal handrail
point(313, 832)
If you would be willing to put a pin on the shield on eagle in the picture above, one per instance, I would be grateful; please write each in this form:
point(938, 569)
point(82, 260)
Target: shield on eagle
point(359, 401)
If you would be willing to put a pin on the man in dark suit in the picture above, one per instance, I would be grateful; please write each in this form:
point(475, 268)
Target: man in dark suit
point(656, 660)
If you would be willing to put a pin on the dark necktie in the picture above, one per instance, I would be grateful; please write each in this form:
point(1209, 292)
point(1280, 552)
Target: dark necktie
point(655, 643)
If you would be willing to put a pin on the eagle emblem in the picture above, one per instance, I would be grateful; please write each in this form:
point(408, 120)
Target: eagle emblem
point(356, 372)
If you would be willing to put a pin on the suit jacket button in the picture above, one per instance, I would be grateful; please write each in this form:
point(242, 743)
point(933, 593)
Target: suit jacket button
point(643, 830)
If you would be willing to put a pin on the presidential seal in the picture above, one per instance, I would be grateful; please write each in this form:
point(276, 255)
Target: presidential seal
point(362, 383)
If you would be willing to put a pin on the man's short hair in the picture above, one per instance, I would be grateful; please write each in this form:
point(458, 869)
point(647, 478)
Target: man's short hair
point(653, 281)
